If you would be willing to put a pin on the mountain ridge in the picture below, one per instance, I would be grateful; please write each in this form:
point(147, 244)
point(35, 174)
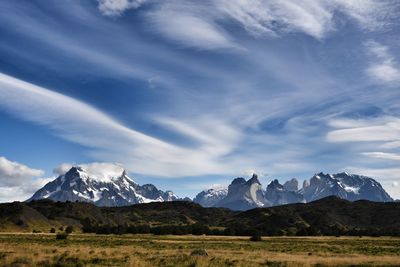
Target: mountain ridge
point(113, 187)
point(327, 216)
point(243, 195)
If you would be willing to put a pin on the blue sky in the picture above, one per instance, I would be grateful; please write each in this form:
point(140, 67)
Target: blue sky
point(187, 94)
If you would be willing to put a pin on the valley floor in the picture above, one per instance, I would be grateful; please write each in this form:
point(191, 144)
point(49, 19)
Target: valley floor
point(149, 250)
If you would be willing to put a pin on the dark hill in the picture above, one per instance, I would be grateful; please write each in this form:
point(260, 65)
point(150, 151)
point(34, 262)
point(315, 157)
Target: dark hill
point(328, 216)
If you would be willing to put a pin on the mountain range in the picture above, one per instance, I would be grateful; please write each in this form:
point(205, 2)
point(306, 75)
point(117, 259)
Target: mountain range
point(244, 195)
point(101, 188)
point(116, 188)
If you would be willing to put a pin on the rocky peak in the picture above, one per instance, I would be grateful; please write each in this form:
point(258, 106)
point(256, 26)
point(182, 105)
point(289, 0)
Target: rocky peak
point(110, 186)
point(254, 179)
point(291, 185)
point(74, 171)
point(275, 185)
point(277, 194)
point(306, 184)
point(238, 180)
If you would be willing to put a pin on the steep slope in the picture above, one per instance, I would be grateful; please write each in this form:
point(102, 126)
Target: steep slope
point(103, 189)
point(347, 186)
point(211, 196)
point(243, 195)
point(277, 194)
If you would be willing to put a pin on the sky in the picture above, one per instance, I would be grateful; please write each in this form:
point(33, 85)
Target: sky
point(190, 94)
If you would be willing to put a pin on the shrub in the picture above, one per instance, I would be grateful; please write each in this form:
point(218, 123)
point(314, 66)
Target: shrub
point(199, 252)
point(62, 236)
point(52, 230)
point(69, 229)
point(256, 237)
point(20, 222)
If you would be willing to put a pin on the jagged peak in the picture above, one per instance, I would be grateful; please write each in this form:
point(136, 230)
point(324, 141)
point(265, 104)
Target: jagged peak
point(216, 187)
point(238, 180)
point(291, 185)
point(345, 174)
point(274, 184)
point(74, 171)
point(254, 179)
point(100, 172)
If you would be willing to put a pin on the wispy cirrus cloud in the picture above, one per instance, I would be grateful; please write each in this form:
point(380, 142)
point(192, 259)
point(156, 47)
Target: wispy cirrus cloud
point(79, 122)
point(200, 24)
point(117, 7)
point(189, 24)
point(381, 129)
point(382, 155)
point(379, 142)
point(275, 72)
point(383, 66)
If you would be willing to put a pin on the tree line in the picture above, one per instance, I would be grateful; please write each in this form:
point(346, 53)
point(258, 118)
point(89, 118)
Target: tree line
point(232, 230)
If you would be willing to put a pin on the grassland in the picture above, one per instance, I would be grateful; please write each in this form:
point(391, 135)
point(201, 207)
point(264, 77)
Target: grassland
point(149, 250)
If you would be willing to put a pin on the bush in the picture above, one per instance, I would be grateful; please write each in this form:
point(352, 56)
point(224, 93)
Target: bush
point(62, 236)
point(69, 229)
point(20, 222)
point(256, 237)
point(52, 230)
point(199, 252)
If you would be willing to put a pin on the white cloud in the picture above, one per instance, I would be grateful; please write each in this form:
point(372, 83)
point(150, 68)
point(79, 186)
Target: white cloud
point(370, 14)
point(18, 181)
point(391, 145)
point(109, 140)
point(262, 17)
point(62, 168)
point(189, 25)
point(381, 133)
point(200, 24)
point(384, 129)
point(382, 155)
point(13, 173)
point(395, 184)
point(117, 7)
point(97, 170)
point(383, 66)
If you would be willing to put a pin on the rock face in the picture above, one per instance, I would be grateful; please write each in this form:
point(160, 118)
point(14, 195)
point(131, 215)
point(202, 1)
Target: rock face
point(278, 194)
point(243, 195)
point(347, 186)
point(113, 187)
point(211, 196)
point(109, 189)
point(291, 185)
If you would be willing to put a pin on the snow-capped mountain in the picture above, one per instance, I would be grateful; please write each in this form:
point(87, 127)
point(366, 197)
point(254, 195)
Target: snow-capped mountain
point(111, 186)
point(211, 196)
point(101, 187)
point(243, 195)
point(277, 194)
point(347, 186)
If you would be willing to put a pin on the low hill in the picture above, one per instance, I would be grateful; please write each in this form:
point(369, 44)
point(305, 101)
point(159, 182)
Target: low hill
point(328, 216)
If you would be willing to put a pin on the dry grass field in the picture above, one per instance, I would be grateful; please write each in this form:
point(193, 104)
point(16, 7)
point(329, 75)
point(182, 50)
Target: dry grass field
point(150, 250)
